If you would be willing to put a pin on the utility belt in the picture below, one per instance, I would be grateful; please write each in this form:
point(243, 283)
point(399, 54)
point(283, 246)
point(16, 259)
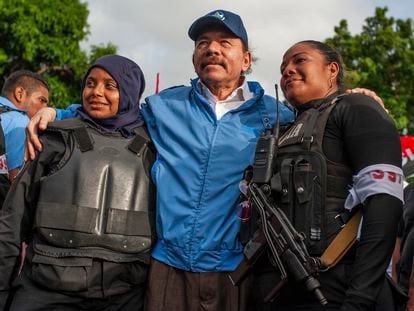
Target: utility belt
point(59, 255)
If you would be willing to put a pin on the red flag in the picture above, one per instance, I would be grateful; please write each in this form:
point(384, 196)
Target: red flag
point(157, 83)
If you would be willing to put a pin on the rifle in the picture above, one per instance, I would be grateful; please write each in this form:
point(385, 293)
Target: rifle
point(286, 246)
point(276, 233)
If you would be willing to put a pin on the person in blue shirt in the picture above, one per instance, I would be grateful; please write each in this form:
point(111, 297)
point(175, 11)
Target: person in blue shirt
point(23, 94)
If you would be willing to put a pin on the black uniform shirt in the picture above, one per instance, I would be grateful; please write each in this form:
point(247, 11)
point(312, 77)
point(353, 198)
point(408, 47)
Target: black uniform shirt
point(360, 133)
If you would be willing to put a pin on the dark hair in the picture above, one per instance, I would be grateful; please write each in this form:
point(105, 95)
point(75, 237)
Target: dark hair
point(28, 80)
point(331, 55)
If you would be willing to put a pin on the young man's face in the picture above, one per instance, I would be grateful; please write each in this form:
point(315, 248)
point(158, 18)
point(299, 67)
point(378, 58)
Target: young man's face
point(35, 100)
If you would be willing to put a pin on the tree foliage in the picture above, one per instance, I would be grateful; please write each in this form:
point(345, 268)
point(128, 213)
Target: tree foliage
point(381, 58)
point(44, 36)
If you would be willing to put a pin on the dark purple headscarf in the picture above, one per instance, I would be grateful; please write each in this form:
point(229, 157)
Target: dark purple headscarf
point(131, 84)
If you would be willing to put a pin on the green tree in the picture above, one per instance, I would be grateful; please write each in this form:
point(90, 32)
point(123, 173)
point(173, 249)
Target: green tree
point(44, 36)
point(381, 58)
point(101, 50)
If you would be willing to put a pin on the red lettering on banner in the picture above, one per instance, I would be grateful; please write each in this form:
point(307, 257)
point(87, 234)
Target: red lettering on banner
point(378, 174)
point(391, 176)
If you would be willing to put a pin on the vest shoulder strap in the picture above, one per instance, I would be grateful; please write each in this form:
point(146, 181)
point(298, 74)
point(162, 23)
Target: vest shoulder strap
point(140, 140)
point(82, 137)
point(79, 130)
point(85, 142)
point(6, 109)
point(318, 119)
point(325, 110)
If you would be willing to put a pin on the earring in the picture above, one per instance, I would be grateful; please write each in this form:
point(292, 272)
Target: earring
point(330, 83)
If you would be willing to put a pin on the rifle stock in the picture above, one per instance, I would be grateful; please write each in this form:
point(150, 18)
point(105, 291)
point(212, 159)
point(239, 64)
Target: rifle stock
point(252, 251)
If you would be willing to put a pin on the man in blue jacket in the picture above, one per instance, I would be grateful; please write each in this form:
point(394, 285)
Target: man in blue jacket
point(206, 136)
point(23, 94)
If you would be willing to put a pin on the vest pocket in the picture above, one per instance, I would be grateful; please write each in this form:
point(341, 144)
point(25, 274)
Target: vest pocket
point(308, 202)
point(302, 180)
point(65, 274)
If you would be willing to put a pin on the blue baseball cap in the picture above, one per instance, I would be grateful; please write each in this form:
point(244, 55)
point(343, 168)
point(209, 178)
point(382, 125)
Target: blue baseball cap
point(227, 19)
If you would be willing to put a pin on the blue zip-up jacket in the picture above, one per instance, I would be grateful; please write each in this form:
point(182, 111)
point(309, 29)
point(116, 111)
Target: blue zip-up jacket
point(200, 163)
point(14, 125)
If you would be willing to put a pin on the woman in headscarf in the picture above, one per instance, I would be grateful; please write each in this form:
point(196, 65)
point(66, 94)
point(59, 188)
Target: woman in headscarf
point(85, 206)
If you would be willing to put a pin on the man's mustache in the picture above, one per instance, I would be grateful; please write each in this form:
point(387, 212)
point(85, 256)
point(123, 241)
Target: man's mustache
point(213, 61)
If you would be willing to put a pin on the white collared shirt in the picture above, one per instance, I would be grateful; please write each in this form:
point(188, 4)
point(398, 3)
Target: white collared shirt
point(233, 101)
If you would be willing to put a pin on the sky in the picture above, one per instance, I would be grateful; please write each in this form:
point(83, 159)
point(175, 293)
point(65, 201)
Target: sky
point(153, 33)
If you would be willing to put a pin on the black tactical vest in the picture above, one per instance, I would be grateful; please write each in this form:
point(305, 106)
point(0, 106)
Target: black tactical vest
point(312, 189)
point(100, 197)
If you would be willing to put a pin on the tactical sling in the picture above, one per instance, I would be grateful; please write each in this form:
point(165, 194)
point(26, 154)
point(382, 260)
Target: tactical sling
point(342, 242)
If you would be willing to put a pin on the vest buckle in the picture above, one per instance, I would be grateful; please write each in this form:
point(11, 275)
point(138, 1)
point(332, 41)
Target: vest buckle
point(340, 221)
point(308, 139)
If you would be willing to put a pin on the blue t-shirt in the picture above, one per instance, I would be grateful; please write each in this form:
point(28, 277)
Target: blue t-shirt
point(14, 125)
